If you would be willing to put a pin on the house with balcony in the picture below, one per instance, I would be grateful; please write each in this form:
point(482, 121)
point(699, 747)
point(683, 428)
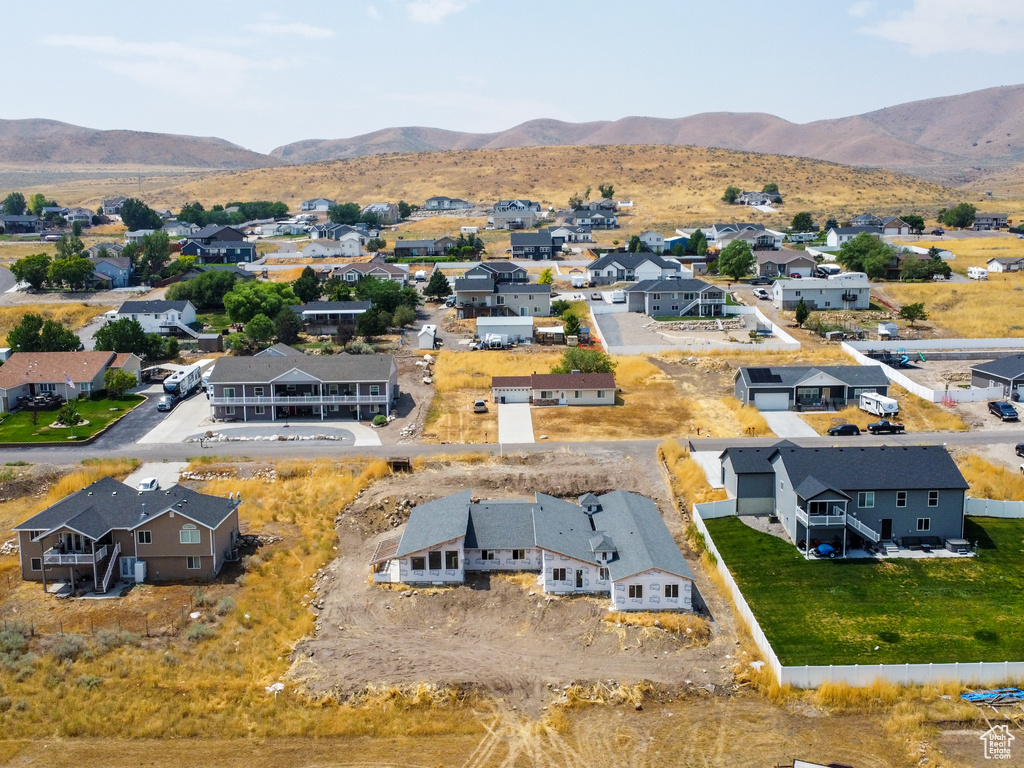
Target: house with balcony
point(614, 545)
point(321, 317)
point(483, 297)
point(807, 387)
point(415, 249)
point(109, 532)
point(990, 221)
point(848, 290)
point(515, 214)
point(536, 246)
point(270, 388)
point(498, 271)
point(168, 318)
point(676, 298)
point(882, 497)
point(629, 267)
point(220, 251)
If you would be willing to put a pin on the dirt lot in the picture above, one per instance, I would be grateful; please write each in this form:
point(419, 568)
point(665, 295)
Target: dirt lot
point(497, 634)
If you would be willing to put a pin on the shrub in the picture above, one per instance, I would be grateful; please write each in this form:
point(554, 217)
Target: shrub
point(89, 681)
point(202, 600)
point(199, 632)
point(380, 420)
point(225, 606)
point(68, 648)
point(108, 639)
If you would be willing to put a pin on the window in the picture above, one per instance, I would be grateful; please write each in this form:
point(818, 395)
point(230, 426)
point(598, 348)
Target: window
point(675, 307)
point(545, 394)
point(500, 300)
point(193, 563)
point(600, 393)
point(924, 523)
point(518, 554)
point(671, 590)
point(332, 389)
point(656, 308)
point(434, 560)
point(866, 499)
point(229, 391)
point(36, 564)
point(374, 390)
point(188, 534)
point(260, 410)
point(451, 560)
point(636, 590)
point(417, 563)
point(933, 498)
point(229, 411)
point(817, 507)
point(901, 498)
point(257, 391)
point(656, 296)
point(486, 554)
point(47, 387)
point(602, 574)
point(796, 293)
point(558, 574)
point(144, 537)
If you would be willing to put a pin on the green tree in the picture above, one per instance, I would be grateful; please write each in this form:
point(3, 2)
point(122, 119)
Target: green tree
point(607, 191)
point(137, 215)
point(831, 223)
point(470, 246)
point(736, 259)
point(14, 204)
point(913, 268)
point(913, 312)
point(337, 289)
point(373, 322)
point(404, 209)
point(375, 244)
point(68, 414)
point(404, 316)
point(371, 219)
point(124, 335)
point(117, 381)
point(248, 299)
point(635, 244)
point(386, 295)
point(34, 270)
point(307, 286)
point(770, 189)
point(866, 254)
point(156, 252)
point(915, 222)
point(731, 193)
point(346, 213)
point(802, 313)
point(547, 276)
point(560, 307)
point(206, 291)
point(438, 286)
point(68, 246)
point(572, 324)
point(76, 228)
point(584, 361)
point(698, 243)
point(260, 329)
point(74, 272)
point(131, 252)
point(37, 202)
point(33, 334)
point(288, 325)
point(575, 201)
point(802, 222)
point(193, 213)
point(960, 216)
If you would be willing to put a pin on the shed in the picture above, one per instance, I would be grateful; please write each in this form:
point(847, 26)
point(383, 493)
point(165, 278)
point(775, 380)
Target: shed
point(211, 342)
point(518, 329)
point(887, 330)
point(427, 336)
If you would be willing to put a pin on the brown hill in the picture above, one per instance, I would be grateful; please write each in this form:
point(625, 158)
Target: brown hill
point(950, 139)
point(51, 143)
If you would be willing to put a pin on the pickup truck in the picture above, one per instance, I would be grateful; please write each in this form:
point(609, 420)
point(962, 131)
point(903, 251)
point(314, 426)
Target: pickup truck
point(885, 426)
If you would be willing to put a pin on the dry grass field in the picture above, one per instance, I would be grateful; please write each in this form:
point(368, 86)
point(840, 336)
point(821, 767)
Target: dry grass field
point(11, 250)
point(671, 186)
point(975, 252)
point(975, 310)
point(73, 315)
point(916, 415)
point(989, 481)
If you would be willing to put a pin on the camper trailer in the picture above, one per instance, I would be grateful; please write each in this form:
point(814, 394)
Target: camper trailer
point(184, 382)
point(827, 270)
point(877, 404)
point(420, 276)
point(977, 273)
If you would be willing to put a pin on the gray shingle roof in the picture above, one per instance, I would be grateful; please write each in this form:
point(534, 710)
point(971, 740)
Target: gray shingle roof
point(329, 368)
point(747, 461)
point(792, 375)
point(632, 261)
point(279, 350)
point(348, 307)
point(917, 467)
point(155, 306)
point(542, 239)
point(523, 288)
point(500, 525)
point(1010, 367)
point(474, 284)
point(108, 504)
point(669, 285)
point(436, 522)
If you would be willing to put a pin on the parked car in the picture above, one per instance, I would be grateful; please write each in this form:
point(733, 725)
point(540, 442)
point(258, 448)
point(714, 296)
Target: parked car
point(844, 429)
point(1019, 450)
point(166, 403)
point(939, 231)
point(1003, 410)
point(148, 484)
point(885, 426)
point(480, 406)
point(449, 302)
point(762, 280)
point(795, 275)
point(760, 293)
point(597, 296)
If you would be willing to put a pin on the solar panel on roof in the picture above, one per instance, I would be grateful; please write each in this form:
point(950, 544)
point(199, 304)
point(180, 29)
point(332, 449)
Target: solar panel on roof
point(763, 376)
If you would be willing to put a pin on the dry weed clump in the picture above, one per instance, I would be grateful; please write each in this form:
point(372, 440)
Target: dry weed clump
point(696, 629)
point(689, 484)
point(525, 581)
point(577, 695)
point(749, 418)
point(989, 481)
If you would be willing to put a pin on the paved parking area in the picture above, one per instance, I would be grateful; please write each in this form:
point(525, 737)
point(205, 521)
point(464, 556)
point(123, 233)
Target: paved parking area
point(515, 423)
point(629, 333)
point(788, 424)
point(185, 419)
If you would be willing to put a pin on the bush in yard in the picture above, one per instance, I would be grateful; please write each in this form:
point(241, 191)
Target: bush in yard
point(404, 316)
point(379, 420)
point(584, 361)
point(68, 648)
point(802, 312)
point(225, 606)
point(199, 632)
point(118, 381)
point(68, 414)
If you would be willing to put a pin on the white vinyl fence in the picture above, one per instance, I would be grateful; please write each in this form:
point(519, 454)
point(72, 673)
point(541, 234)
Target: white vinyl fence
point(993, 508)
point(856, 675)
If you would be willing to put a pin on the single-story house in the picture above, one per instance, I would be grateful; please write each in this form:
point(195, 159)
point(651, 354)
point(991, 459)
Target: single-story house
point(442, 203)
point(615, 545)
point(784, 262)
point(572, 233)
point(836, 236)
point(990, 221)
point(759, 240)
point(785, 387)
point(555, 389)
point(268, 388)
point(109, 532)
point(676, 298)
point(317, 204)
point(849, 290)
point(375, 267)
point(112, 249)
point(758, 198)
point(895, 226)
point(388, 212)
point(628, 267)
point(329, 316)
point(904, 496)
point(68, 374)
point(112, 207)
point(1005, 264)
point(537, 246)
point(20, 225)
point(866, 220)
point(415, 249)
point(518, 329)
point(135, 236)
point(1007, 372)
point(170, 318)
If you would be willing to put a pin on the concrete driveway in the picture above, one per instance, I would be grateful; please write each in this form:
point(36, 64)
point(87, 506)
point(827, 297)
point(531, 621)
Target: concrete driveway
point(167, 472)
point(515, 423)
point(185, 419)
point(788, 424)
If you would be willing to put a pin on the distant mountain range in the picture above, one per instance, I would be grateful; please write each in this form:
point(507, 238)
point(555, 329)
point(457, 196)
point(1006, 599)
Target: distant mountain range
point(953, 139)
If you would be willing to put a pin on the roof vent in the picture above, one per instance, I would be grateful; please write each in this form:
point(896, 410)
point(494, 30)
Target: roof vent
point(90, 493)
point(114, 493)
point(143, 510)
point(574, 370)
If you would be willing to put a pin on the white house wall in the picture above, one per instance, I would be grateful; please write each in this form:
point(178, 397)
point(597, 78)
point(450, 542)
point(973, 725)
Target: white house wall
point(591, 583)
point(653, 583)
point(503, 560)
point(440, 576)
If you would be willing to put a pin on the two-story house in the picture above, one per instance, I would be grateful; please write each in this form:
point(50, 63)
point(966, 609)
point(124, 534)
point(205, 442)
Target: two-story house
point(515, 214)
point(615, 545)
point(483, 297)
point(115, 271)
point(676, 298)
point(111, 208)
point(169, 318)
point(536, 246)
point(388, 212)
point(627, 267)
point(269, 388)
point(109, 532)
point(220, 251)
point(837, 236)
point(341, 238)
point(499, 272)
point(849, 290)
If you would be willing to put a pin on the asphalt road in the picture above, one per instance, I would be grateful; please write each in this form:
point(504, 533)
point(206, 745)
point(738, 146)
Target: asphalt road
point(7, 280)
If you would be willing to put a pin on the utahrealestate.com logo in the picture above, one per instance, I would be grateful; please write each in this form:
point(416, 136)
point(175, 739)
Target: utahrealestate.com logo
point(997, 740)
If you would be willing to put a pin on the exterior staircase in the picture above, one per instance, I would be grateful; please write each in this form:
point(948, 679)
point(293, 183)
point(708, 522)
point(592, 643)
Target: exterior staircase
point(889, 548)
point(104, 585)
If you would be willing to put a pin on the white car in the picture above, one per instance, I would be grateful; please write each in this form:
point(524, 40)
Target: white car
point(148, 484)
point(760, 293)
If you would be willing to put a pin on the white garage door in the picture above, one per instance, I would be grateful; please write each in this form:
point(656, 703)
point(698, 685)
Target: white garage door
point(771, 401)
point(512, 395)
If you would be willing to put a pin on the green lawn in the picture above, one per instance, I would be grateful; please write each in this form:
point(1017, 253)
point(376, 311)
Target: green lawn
point(915, 611)
point(216, 320)
point(18, 427)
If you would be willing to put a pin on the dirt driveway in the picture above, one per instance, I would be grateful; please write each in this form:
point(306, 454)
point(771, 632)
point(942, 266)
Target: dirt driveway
point(500, 634)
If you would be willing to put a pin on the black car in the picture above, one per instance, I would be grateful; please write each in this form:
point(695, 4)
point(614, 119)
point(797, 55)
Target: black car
point(844, 429)
point(885, 425)
point(762, 281)
point(1003, 410)
point(1019, 450)
point(940, 231)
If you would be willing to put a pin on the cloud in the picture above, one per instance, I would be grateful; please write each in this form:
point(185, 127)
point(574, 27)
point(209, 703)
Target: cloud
point(948, 26)
point(434, 11)
point(860, 9)
point(291, 29)
point(372, 12)
point(173, 65)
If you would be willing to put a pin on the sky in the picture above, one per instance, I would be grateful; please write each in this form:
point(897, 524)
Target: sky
point(262, 74)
